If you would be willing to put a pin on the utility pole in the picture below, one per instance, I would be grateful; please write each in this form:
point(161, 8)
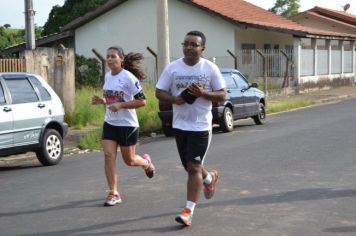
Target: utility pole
point(30, 26)
point(162, 35)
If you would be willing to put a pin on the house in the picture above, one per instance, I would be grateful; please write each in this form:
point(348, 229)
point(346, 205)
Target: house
point(233, 25)
point(238, 33)
point(327, 19)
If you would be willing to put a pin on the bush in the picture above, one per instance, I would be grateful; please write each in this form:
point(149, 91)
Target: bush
point(85, 113)
point(87, 72)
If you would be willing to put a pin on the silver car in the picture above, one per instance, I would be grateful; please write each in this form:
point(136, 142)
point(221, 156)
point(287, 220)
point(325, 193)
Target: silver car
point(31, 118)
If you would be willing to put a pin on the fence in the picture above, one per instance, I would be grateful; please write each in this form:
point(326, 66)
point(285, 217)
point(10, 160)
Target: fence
point(249, 62)
point(12, 65)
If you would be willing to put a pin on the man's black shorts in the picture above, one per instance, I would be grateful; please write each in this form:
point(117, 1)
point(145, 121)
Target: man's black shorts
point(192, 145)
point(123, 135)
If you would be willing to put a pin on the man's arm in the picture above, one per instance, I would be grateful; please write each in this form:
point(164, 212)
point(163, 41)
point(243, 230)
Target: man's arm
point(167, 97)
point(215, 96)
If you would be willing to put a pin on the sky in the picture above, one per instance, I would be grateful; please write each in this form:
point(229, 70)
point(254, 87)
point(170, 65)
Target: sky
point(12, 11)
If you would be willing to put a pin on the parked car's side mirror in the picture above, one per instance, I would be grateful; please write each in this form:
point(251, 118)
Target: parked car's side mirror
point(254, 85)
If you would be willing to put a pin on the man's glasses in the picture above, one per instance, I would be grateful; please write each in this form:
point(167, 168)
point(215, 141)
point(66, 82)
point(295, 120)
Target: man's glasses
point(193, 45)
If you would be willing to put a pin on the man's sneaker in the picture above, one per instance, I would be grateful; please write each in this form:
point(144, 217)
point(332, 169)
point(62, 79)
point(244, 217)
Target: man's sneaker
point(150, 168)
point(113, 199)
point(209, 189)
point(185, 217)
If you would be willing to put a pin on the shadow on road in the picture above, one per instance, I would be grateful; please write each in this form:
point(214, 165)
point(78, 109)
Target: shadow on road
point(84, 230)
point(11, 167)
point(291, 196)
point(344, 229)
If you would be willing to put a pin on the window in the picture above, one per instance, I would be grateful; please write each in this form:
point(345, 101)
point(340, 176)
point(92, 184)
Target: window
point(289, 48)
point(247, 49)
point(267, 46)
point(230, 82)
point(21, 90)
point(241, 82)
point(45, 96)
point(2, 96)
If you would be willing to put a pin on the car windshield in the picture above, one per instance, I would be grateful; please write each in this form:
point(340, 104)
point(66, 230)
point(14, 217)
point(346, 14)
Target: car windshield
point(230, 82)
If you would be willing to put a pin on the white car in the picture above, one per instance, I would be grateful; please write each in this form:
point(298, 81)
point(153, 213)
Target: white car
point(31, 118)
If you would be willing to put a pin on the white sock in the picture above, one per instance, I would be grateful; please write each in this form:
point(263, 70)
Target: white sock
point(208, 179)
point(190, 205)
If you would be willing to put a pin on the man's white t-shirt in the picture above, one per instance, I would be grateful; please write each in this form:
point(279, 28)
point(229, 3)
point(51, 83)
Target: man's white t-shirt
point(176, 77)
point(121, 88)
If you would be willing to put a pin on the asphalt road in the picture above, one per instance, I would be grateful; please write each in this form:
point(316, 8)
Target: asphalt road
point(295, 175)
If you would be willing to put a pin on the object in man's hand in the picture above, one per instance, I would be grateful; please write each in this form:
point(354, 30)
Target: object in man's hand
point(188, 96)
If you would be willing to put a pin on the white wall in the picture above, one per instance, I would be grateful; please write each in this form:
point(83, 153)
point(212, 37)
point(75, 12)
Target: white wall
point(132, 25)
point(183, 18)
point(261, 37)
point(314, 23)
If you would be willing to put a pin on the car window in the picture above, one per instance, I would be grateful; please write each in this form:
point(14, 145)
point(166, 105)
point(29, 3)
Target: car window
point(230, 82)
point(21, 90)
point(2, 96)
point(241, 82)
point(45, 95)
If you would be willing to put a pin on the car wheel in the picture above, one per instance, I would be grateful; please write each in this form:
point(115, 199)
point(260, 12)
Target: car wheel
point(261, 115)
point(51, 150)
point(227, 120)
point(167, 130)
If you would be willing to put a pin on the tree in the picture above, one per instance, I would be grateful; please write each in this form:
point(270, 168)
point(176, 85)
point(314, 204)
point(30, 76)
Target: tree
point(7, 26)
point(72, 9)
point(9, 37)
point(286, 8)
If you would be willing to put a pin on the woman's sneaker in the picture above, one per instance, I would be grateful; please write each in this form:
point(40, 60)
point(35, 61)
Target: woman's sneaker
point(150, 168)
point(185, 217)
point(209, 189)
point(113, 199)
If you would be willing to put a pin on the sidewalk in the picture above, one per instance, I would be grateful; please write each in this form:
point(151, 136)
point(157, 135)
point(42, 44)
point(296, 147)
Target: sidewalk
point(325, 95)
point(71, 141)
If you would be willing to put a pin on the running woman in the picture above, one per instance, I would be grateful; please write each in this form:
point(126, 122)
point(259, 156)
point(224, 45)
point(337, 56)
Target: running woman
point(122, 94)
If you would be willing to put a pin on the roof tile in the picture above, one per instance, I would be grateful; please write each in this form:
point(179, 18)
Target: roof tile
point(246, 13)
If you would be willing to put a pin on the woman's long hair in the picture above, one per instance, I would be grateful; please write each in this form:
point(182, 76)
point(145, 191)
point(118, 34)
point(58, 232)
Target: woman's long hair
point(131, 62)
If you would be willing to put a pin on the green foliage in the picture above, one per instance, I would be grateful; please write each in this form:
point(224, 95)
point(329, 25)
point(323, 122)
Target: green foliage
point(286, 8)
point(87, 72)
point(92, 140)
point(72, 9)
point(85, 113)
point(288, 104)
point(147, 115)
point(9, 37)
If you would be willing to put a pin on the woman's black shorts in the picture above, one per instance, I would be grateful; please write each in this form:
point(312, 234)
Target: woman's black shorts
point(123, 135)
